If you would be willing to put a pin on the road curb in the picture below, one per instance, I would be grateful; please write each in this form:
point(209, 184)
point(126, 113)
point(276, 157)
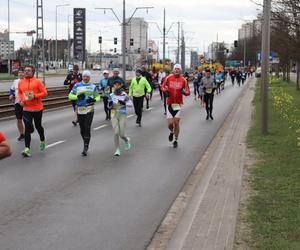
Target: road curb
point(171, 220)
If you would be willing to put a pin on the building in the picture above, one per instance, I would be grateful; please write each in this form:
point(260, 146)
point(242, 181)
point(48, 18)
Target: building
point(194, 59)
point(7, 47)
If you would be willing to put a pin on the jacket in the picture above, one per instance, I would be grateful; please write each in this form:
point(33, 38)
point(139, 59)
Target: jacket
point(137, 88)
point(26, 87)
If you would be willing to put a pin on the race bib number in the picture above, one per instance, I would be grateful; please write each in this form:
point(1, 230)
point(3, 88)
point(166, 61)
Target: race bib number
point(85, 110)
point(28, 95)
point(209, 91)
point(176, 107)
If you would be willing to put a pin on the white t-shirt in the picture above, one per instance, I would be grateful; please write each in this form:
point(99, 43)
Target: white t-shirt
point(161, 75)
point(14, 89)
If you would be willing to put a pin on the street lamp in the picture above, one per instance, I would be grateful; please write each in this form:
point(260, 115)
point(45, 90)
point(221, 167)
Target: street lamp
point(59, 5)
point(123, 24)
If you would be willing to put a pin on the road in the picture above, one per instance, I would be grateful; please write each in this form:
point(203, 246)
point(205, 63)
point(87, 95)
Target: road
point(59, 200)
point(58, 81)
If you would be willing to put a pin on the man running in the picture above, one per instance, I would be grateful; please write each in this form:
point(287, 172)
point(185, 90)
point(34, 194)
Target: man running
point(137, 92)
point(148, 77)
point(85, 94)
point(71, 79)
point(196, 80)
point(5, 149)
point(114, 77)
point(160, 76)
point(13, 95)
point(105, 91)
point(31, 91)
point(164, 94)
point(208, 87)
point(118, 102)
point(175, 86)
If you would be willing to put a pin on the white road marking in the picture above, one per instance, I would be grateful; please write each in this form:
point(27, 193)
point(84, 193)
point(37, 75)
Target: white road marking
point(148, 109)
point(130, 116)
point(102, 126)
point(54, 144)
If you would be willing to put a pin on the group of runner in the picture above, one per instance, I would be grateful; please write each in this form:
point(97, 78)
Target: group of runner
point(28, 92)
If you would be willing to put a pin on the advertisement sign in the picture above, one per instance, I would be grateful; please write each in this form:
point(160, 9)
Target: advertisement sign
point(79, 33)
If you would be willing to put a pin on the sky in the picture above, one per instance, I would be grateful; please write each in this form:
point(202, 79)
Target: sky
point(204, 21)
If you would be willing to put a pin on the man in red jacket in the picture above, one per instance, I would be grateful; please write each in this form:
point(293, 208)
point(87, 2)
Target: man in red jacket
point(5, 149)
point(174, 87)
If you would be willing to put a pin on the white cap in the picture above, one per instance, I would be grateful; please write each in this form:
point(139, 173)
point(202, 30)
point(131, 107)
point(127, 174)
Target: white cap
point(87, 73)
point(105, 72)
point(116, 70)
point(177, 66)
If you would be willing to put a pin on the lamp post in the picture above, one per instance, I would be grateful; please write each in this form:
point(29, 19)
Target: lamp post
point(265, 66)
point(59, 5)
point(123, 24)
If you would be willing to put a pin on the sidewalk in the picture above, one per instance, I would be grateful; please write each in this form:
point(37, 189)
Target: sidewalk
point(204, 214)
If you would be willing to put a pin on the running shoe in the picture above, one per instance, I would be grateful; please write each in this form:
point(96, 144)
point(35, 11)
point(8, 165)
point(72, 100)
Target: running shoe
point(171, 137)
point(42, 145)
point(175, 144)
point(117, 152)
point(21, 137)
point(127, 145)
point(26, 152)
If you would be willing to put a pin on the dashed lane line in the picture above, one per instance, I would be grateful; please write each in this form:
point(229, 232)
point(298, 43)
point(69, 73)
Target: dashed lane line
point(54, 144)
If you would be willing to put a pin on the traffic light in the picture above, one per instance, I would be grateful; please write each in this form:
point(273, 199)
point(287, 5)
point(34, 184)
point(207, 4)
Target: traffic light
point(100, 39)
point(149, 50)
point(115, 50)
point(139, 50)
point(131, 41)
point(126, 50)
point(235, 43)
point(227, 51)
point(115, 40)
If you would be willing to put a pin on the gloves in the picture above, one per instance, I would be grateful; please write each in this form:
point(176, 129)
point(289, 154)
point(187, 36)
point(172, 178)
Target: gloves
point(183, 91)
point(167, 93)
point(81, 96)
point(122, 102)
point(91, 100)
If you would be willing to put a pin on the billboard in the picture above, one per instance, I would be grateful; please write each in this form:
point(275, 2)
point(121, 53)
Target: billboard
point(79, 33)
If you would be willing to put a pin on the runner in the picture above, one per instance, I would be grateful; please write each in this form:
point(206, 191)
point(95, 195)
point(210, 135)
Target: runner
point(148, 77)
point(219, 80)
point(208, 86)
point(114, 77)
point(239, 77)
point(232, 74)
point(175, 86)
point(5, 149)
point(160, 76)
point(137, 92)
point(105, 90)
point(85, 94)
point(164, 94)
point(118, 102)
point(196, 80)
point(13, 95)
point(30, 92)
point(71, 79)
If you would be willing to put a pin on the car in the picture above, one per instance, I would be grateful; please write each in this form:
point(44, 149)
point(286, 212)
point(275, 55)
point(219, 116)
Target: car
point(258, 72)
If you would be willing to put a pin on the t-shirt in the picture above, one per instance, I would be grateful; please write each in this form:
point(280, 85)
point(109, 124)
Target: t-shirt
point(14, 90)
point(2, 137)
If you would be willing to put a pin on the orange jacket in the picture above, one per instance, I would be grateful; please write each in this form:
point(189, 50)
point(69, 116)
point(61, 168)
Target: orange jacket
point(37, 87)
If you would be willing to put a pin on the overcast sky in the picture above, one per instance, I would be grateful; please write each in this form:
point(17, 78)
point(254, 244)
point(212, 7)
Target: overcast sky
point(202, 20)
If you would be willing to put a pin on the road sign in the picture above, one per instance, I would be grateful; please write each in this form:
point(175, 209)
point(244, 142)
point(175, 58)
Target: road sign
point(271, 56)
point(79, 33)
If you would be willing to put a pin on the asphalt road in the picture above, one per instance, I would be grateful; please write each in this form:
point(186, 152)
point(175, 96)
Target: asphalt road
point(59, 200)
point(58, 81)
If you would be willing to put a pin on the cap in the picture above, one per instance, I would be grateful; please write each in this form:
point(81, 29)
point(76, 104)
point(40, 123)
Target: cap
point(177, 66)
point(86, 73)
point(139, 70)
point(116, 70)
point(105, 72)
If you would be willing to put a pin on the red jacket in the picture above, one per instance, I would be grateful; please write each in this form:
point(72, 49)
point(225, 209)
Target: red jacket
point(174, 85)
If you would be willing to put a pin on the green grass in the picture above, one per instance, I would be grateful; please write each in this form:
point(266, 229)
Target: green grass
point(274, 210)
point(4, 77)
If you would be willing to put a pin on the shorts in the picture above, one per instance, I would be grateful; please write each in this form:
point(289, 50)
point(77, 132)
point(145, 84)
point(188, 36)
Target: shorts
point(18, 111)
point(172, 114)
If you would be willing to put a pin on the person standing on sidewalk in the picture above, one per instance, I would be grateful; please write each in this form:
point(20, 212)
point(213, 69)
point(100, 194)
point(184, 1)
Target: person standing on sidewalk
point(13, 95)
point(137, 92)
point(208, 87)
point(105, 90)
point(118, 101)
point(30, 92)
point(175, 86)
point(71, 79)
point(5, 149)
point(85, 94)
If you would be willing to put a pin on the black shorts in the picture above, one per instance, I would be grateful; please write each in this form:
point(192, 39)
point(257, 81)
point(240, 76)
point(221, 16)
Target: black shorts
point(18, 111)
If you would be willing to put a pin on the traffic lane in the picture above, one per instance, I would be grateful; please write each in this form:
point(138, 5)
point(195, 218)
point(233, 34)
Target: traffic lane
point(124, 208)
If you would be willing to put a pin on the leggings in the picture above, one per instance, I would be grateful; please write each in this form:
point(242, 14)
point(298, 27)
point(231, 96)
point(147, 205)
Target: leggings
point(85, 123)
point(138, 103)
point(28, 117)
point(196, 88)
point(209, 99)
point(119, 125)
point(106, 109)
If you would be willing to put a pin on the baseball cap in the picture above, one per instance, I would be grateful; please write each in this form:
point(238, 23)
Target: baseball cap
point(177, 66)
point(105, 72)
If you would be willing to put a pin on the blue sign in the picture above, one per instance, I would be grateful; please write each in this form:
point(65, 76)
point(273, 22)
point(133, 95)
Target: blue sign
point(271, 56)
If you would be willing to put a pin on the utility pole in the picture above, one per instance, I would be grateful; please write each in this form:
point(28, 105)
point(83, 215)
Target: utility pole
point(40, 51)
point(8, 35)
point(178, 43)
point(182, 50)
point(265, 66)
point(164, 40)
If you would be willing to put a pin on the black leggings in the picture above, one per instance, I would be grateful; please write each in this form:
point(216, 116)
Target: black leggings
point(106, 109)
point(196, 88)
point(85, 123)
point(138, 103)
point(209, 99)
point(28, 117)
